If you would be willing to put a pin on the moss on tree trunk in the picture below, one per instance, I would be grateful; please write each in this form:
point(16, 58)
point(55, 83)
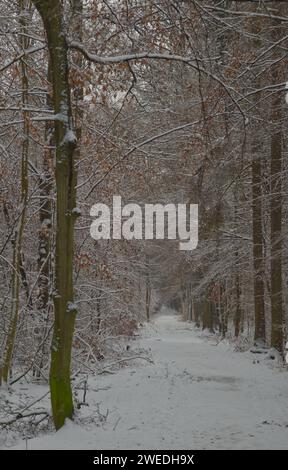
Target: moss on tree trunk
point(64, 310)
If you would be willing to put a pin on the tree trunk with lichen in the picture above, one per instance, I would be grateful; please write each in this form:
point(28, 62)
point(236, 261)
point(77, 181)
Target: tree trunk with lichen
point(51, 12)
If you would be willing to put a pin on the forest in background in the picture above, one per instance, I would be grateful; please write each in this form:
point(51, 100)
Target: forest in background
point(156, 101)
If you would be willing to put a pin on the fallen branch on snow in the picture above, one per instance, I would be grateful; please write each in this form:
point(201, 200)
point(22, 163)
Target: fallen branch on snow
point(106, 370)
point(22, 416)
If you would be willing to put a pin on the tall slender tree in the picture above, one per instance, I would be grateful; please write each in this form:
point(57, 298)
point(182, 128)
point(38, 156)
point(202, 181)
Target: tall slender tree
point(276, 201)
point(19, 230)
point(52, 14)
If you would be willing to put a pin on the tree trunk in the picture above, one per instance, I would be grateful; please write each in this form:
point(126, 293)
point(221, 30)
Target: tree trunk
point(208, 316)
point(277, 339)
point(190, 302)
point(52, 14)
point(148, 297)
point(17, 243)
point(45, 278)
point(237, 287)
point(238, 310)
point(197, 313)
point(223, 310)
point(259, 309)
point(98, 313)
point(45, 213)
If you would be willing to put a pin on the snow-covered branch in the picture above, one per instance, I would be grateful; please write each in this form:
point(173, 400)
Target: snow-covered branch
point(26, 52)
point(116, 59)
point(189, 61)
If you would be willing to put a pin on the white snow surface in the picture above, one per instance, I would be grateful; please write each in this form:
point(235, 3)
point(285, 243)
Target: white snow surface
point(197, 394)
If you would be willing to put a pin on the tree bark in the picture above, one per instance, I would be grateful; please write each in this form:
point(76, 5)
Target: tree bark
point(17, 242)
point(277, 316)
point(45, 277)
point(51, 12)
point(208, 316)
point(238, 309)
point(259, 308)
point(45, 213)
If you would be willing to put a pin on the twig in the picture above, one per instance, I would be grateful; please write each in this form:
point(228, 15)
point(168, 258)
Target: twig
point(116, 424)
point(124, 360)
point(34, 402)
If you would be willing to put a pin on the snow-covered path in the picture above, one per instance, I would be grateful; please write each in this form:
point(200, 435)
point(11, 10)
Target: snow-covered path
point(196, 395)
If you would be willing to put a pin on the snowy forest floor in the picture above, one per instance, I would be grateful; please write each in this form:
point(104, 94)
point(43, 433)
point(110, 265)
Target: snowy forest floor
point(196, 394)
